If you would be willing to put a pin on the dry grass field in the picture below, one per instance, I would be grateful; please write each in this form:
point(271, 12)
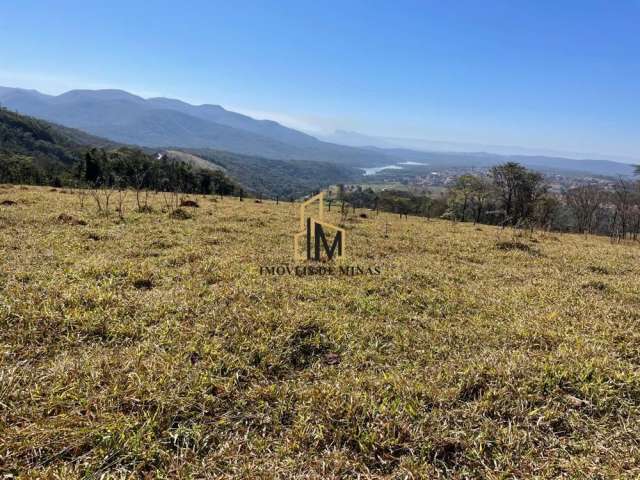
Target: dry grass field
point(151, 347)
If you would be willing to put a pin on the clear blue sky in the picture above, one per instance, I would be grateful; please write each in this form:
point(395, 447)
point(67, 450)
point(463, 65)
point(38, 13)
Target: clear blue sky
point(555, 74)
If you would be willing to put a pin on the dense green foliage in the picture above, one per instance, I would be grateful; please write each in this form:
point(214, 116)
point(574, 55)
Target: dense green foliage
point(396, 201)
point(132, 168)
point(279, 178)
point(36, 152)
point(512, 195)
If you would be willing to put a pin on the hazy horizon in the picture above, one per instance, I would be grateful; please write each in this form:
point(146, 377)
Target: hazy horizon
point(543, 75)
point(419, 144)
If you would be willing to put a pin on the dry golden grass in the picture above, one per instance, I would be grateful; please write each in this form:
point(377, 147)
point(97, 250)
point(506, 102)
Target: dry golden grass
point(153, 347)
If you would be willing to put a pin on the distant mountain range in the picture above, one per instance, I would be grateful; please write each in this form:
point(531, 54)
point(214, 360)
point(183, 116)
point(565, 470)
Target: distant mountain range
point(168, 123)
point(164, 122)
point(37, 151)
point(355, 139)
point(544, 164)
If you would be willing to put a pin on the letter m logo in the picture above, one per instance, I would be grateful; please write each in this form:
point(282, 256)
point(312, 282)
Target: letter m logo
point(314, 231)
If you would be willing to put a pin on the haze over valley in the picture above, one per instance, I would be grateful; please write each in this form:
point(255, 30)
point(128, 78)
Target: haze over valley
point(164, 123)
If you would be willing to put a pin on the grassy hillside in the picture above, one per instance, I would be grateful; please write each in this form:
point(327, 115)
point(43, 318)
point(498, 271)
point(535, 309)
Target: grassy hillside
point(152, 346)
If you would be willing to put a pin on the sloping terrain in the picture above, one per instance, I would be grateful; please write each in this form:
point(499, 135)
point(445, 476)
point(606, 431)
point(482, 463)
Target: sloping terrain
point(279, 178)
point(193, 160)
point(152, 347)
point(159, 122)
point(55, 149)
point(42, 141)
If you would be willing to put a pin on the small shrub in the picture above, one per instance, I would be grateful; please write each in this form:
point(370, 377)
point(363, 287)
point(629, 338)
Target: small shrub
point(143, 283)
point(516, 245)
point(180, 214)
point(598, 269)
point(69, 220)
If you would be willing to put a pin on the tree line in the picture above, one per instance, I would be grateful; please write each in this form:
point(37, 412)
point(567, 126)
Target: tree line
point(512, 195)
point(116, 168)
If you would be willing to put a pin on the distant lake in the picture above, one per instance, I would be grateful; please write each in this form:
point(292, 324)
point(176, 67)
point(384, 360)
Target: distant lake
point(398, 166)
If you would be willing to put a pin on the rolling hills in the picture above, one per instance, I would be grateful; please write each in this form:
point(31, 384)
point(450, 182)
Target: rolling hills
point(163, 122)
point(160, 122)
point(54, 150)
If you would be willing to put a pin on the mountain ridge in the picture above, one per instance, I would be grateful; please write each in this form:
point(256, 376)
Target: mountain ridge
point(160, 122)
point(124, 117)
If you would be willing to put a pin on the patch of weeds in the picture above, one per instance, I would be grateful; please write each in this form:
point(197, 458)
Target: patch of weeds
point(70, 220)
point(473, 388)
point(146, 209)
point(307, 344)
point(448, 451)
point(512, 245)
point(599, 269)
point(595, 285)
point(162, 244)
point(143, 283)
point(180, 214)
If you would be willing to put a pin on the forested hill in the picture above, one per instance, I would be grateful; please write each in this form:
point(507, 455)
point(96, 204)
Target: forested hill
point(40, 140)
point(162, 122)
point(34, 151)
